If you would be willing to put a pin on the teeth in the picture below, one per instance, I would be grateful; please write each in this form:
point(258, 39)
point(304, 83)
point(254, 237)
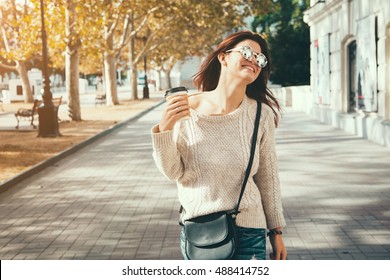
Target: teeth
point(249, 67)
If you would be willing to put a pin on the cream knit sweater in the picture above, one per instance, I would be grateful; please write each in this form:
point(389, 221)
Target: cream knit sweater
point(207, 157)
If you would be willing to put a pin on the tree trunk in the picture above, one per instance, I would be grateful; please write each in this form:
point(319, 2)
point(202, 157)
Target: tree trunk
point(134, 76)
point(110, 72)
point(72, 65)
point(72, 84)
point(22, 71)
point(158, 82)
point(168, 78)
point(134, 83)
point(110, 79)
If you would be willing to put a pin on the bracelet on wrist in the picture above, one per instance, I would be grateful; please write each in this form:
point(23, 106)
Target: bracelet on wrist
point(272, 232)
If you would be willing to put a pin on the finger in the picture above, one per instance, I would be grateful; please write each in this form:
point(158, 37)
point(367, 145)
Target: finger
point(183, 102)
point(277, 256)
point(172, 109)
point(182, 113)
point(178, 109)
point(185, 113)
point(271, 256)
point(177, 98)
point(183, 108)
point(178, 103)
point(178, 106)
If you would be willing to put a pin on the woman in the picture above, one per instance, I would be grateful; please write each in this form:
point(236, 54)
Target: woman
point(207, 155)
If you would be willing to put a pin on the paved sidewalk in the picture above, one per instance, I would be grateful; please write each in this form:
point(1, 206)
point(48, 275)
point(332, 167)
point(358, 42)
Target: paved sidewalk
point(8, 120)
point(336, 191)
point(108, 201)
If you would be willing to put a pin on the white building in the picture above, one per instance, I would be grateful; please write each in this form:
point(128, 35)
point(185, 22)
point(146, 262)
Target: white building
point(188, 69)
point(15, 92)
point(350, 65)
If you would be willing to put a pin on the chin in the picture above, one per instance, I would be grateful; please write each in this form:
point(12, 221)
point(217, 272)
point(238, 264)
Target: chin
point(249, 80)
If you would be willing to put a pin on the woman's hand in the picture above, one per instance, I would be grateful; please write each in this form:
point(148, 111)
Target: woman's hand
point(177, 107)
point(278, 248)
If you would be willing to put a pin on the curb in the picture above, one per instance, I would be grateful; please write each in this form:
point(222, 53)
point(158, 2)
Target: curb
point(6, 185)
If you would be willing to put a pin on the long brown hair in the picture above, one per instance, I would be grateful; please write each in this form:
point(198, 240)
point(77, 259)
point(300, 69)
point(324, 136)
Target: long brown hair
point(208, 76)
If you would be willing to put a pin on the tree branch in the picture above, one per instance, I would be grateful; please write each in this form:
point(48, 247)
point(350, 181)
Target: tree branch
point(5, 40)
point(113, 26)
point(127, 38)
point(8, 67)
point(123, 39)
point(143, 23)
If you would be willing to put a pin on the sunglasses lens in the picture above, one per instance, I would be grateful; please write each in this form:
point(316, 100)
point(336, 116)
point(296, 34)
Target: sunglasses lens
point(247, 53)
point(261, 60)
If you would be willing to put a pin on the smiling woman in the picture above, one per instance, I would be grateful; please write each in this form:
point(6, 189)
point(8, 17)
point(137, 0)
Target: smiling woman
point(212, 67)
point(208, 155)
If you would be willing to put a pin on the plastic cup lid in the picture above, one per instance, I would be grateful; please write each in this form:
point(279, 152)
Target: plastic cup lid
point(173, 90)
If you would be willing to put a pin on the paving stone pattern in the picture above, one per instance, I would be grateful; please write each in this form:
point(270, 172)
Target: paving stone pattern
point(109, 201)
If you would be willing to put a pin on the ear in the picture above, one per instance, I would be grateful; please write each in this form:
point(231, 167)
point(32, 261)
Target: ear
point(222, 59)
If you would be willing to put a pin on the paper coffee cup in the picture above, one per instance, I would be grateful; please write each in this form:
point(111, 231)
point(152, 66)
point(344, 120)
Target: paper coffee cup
point(177, 91)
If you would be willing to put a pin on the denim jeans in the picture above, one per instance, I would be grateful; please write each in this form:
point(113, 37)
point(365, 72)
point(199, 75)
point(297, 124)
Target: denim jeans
point(251, 241)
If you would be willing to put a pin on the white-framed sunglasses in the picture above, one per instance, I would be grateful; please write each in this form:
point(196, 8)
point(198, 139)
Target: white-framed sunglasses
point(247, 52)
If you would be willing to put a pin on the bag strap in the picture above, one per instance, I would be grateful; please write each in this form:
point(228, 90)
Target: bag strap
point(252, 155)
point(253, 148)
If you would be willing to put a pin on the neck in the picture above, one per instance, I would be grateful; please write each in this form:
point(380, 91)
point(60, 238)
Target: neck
point(228, 95)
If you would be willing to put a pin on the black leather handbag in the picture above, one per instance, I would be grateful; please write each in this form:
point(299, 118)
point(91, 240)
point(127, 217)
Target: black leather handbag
point(213, 236)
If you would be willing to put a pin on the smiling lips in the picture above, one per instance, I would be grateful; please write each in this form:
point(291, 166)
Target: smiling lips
point(247, 66)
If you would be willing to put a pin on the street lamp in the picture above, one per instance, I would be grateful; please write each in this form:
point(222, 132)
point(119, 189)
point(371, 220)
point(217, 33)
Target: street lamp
point(48, 119)
point(146, 88)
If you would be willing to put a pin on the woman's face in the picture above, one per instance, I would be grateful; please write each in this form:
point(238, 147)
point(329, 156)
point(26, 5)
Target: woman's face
point(238, 65)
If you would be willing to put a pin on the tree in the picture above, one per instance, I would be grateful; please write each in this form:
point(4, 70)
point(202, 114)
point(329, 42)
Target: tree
point(195, 27)
point(97, 32)
point(289, 40)
point(73, 44)
point(138, 21)
point(112, 20)
point(63, 28)
point(19, 28)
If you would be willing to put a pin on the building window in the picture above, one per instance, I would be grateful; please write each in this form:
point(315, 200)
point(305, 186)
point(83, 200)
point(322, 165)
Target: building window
point(352, 76)
point(366, 65)
point(19, 90)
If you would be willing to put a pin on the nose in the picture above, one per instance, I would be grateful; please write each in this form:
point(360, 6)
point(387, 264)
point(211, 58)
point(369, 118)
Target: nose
point(254, 60)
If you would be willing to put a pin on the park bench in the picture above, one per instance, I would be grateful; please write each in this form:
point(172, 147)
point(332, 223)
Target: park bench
point(100, 98)
point(29, 114)
point(57, 101)
point(23, 113)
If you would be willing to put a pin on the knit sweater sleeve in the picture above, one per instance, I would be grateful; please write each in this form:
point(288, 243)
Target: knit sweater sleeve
point(166, 154)
point(267, 176)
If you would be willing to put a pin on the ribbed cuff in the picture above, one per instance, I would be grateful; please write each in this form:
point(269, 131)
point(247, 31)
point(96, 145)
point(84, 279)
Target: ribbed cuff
point(275, 220)
point(162, 139)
